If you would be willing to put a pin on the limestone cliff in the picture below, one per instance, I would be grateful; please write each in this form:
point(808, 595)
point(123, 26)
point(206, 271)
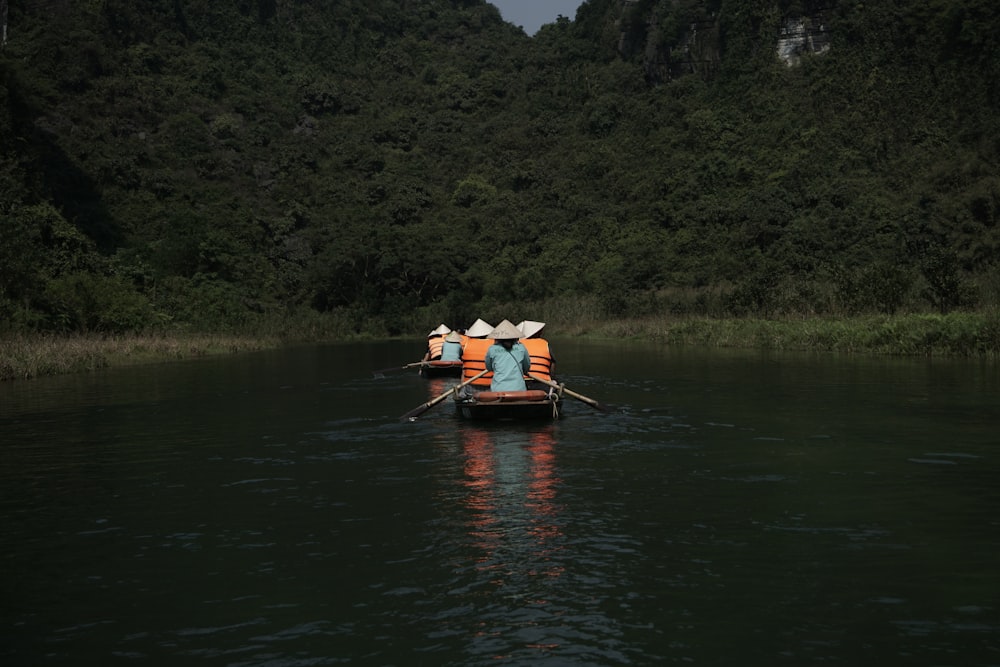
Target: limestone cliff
point(672, 38)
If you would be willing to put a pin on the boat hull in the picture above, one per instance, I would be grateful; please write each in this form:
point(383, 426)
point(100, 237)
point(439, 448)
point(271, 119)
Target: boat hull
point(508, 405)
point(441, 369)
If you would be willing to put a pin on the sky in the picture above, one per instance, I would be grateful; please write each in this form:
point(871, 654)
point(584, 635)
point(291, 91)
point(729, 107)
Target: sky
point(531, 14)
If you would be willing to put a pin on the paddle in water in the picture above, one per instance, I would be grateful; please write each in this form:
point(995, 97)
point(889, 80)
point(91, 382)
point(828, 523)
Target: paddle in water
point(382, 372)
point(421, 409)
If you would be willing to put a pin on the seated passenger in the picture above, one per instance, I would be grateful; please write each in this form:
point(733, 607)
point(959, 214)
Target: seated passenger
point(474, 355)
point(452, 349)
point(543, 362)
point(435, 341)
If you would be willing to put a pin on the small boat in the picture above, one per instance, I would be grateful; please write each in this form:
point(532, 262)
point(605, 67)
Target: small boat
point(530, 404)
point(441, 369)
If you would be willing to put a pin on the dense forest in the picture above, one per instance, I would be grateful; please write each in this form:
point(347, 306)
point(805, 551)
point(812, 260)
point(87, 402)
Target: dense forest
point(215, 165)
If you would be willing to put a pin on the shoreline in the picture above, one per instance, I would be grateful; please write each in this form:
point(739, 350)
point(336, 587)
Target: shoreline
point(24, 358)
point(919, 335)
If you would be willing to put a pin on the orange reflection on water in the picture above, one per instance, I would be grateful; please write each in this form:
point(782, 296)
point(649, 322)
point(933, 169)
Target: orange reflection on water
point(542, 494)
point(480, 481)
point(511, 480)
point(437, 386)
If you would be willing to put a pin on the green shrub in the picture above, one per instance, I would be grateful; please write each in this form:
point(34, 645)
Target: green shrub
point(87, 302)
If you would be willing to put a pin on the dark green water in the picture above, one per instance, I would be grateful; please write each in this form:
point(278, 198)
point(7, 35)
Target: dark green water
point(733, 509)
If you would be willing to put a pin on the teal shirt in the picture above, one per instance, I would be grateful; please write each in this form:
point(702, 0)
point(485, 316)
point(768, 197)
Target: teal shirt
point(508, 367)
point(451, 351)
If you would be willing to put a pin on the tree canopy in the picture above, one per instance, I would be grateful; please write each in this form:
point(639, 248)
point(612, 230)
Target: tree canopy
point(216, 164)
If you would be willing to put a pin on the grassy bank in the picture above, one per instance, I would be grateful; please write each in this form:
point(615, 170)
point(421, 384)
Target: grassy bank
point(25, 357)
point(957, 334)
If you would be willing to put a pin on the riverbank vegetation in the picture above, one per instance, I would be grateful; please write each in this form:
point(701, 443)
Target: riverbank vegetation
point(952, 335)
point(375, 167)
point(903, 335)
point(28, 357)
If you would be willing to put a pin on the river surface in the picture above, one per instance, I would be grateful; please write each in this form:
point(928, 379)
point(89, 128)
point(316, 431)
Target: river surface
point(732, 508)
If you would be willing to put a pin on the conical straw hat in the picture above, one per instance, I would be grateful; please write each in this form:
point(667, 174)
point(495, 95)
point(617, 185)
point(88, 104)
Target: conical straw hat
point(529, 328)
point(479, 329)
point(440, 331)
point(505, 331)
point(453, 337)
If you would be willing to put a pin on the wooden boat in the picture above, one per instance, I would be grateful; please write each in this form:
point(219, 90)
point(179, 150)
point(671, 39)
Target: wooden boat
point(530, 404)
point(441, 369)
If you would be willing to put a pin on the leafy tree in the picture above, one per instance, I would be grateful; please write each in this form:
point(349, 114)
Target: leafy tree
point(208, 165)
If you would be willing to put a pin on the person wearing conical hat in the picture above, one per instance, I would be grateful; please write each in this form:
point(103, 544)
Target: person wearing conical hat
point(452, 350)
point(479, 329)
point(530, 328)
point(543, 362)
point(474, 353)
point(435, 342)
point(507, 358)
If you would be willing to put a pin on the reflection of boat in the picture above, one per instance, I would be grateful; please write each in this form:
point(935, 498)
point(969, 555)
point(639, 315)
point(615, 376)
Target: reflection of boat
point(530, 404)
point(511, 479)
point(437, 386)
point(441, 369)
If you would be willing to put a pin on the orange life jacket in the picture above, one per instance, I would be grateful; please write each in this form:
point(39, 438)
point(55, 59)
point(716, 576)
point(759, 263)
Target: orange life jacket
point(541, 357)
point(435, 346)
point(474, 361)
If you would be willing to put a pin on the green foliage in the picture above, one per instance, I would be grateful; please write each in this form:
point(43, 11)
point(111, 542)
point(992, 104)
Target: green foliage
point(881, 287)
point(946, 288)
point(221, 165)
point(91, 303)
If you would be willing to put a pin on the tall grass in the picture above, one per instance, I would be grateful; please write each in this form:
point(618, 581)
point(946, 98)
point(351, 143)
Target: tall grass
point(956, 334)
point(24, 357)
point(923, 334)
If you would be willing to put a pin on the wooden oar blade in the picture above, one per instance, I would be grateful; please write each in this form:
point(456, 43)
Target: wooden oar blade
point(381, 373)
point(601, 407)
point(589, 401)
point(415, 412)
point(585, 399)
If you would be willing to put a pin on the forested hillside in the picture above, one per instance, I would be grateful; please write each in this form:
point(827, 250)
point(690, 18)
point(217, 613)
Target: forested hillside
point(234, 164)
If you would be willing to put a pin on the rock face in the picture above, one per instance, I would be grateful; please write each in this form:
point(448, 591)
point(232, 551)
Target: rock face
point(800, 35)
point(673, 38)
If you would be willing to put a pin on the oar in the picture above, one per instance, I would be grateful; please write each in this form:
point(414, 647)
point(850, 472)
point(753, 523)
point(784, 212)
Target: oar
point(580, 397)
point(399, 368)
point(416, 412)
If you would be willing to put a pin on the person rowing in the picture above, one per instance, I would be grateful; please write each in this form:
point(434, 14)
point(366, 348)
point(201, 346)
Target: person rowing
point(507, 358)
